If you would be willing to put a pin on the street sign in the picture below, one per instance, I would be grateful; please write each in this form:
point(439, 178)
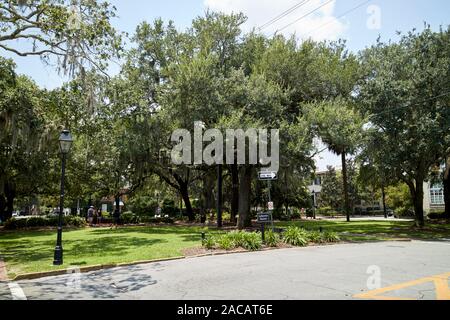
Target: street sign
point(270, 206)
point(264, 218)
point(268, 175)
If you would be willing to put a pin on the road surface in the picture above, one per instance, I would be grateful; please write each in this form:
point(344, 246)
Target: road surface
point(399, 270)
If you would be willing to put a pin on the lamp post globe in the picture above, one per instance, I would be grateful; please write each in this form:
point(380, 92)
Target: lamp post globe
point(65, 144)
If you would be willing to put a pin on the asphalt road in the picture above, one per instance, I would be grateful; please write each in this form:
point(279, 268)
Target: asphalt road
point(414, 270)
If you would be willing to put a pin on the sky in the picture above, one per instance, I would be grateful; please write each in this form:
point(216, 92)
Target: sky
point(359, 22)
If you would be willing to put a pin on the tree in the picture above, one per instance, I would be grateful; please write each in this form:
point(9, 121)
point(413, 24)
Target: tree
point(76, 33)
point(405, 94)
point(341, 128)
point(28, 145)
point(331, 194)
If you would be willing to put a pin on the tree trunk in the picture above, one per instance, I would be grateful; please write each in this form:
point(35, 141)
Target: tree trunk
point(383, 192)
point(2, 208)
point(417, 195)
point(244, 197)
point(10, 193)
point(235, 191)
point(187, 202)
point(345, 181)
point(447, 189)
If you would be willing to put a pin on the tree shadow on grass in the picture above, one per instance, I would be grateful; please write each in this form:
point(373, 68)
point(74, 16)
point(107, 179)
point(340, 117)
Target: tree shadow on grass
point(27, 251)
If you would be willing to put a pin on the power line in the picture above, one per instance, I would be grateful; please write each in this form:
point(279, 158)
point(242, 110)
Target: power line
point(304, 16)
point(339, 17)
point(410, 105)
point(283, 14)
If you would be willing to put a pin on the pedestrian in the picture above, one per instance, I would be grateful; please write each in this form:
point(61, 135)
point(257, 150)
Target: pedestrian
point(90, 215)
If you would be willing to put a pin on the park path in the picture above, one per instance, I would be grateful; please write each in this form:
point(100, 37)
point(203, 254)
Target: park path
point(3, 273)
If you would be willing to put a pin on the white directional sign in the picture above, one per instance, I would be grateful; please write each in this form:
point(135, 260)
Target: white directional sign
point(268, 175)
point(270, 206)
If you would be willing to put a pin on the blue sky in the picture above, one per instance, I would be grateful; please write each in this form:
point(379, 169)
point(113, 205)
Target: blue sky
point(360, 27)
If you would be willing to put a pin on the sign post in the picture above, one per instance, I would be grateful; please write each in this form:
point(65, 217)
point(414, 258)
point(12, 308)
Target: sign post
point(268, 176)
point(263, 219)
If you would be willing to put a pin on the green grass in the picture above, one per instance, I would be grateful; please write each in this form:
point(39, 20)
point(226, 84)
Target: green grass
point(32, 251)
point(376, 230)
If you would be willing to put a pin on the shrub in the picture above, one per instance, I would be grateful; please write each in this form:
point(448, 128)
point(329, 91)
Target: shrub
point(130, 218)
point(272, 239)
point(14, 224)
point(40, 222)
point(436, 215)
point(74, 221)
point(316, 237)
point(226, 243)
point(237, 237)
point(34, 222)
point(252, 241)
point(331, 237)
point(296, 237)
point(209, 242)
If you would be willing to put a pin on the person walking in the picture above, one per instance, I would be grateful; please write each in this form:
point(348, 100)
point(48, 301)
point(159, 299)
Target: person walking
point(90, 215)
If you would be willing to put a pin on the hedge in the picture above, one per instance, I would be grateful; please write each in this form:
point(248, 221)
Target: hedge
point(40, 222)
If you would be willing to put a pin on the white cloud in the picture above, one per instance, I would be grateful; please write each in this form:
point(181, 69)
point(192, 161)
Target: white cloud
point(261, 11)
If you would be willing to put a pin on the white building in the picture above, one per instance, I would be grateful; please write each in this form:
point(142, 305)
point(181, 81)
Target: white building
point(434, 198)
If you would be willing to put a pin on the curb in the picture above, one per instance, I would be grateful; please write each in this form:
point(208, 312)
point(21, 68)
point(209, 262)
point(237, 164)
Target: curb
point(38, 275)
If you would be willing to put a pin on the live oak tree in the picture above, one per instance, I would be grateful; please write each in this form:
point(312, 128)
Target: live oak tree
point(405, 94)
point(74, 33)
point(27, 139)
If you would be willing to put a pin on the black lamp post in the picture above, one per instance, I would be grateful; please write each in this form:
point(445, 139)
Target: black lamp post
point(314, 204)
point(65, 143)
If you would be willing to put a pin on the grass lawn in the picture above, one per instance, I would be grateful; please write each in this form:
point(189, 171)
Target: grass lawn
point(32, 251)
point(376, 230)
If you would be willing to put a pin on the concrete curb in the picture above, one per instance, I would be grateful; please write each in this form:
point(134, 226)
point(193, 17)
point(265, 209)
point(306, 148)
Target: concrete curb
point(38, 275)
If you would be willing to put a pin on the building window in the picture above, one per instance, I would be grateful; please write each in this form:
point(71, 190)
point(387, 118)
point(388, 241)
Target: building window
point(318, 181)
point(437, 195)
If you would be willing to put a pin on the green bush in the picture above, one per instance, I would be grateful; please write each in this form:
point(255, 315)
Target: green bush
point(15, 224)
point(209, 242)
point(237, 237)
point(74, 221)
point(34, 222)
point(252, 241)
point(296, 237)
point(316, 237)
point(233, 240)
point(272, 239)
point(436, 215)
point(42, 221)
point(226, 243)
point(130, 218)
point(331, 237)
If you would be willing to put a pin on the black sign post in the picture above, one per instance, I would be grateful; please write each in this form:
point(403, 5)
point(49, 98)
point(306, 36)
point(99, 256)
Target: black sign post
point(263, 219)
